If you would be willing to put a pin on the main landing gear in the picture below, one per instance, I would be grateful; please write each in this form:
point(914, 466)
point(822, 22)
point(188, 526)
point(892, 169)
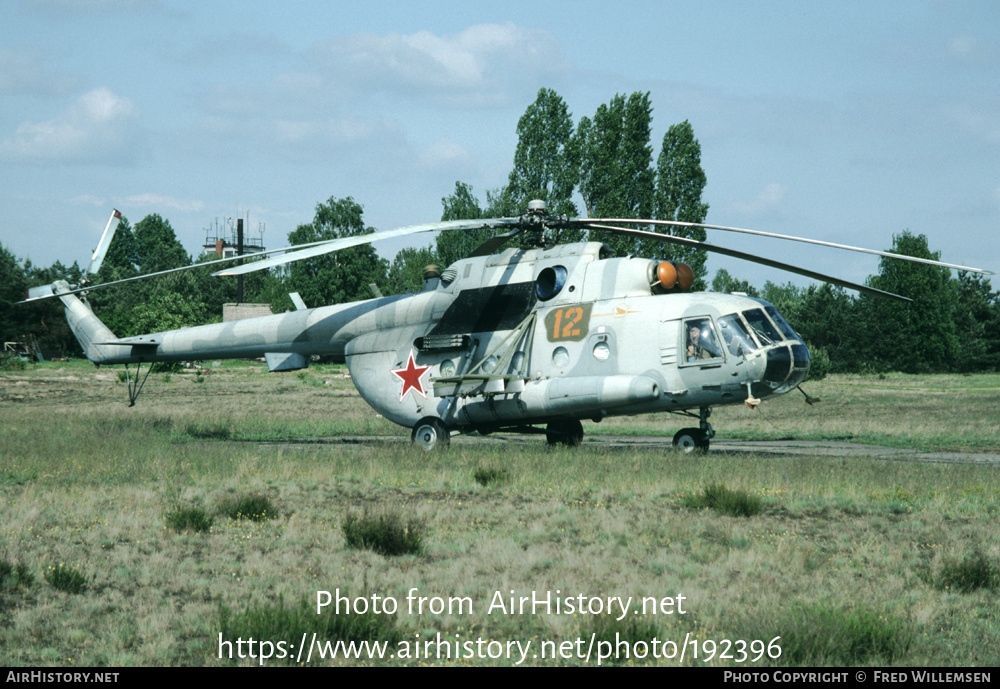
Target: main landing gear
point(568, 432)
point(695, 440)
point(431, 435)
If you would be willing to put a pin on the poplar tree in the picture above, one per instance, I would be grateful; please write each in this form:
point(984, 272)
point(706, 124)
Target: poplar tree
point(545, 165)
point(616, 177)
point(680, 180)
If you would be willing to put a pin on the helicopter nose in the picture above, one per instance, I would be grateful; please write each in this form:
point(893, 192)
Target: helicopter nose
point(787, 366)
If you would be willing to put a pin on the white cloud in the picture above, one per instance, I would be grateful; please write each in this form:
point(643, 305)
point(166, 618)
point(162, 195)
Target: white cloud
point(99, 127)
point(88, 200)
point(976, 116)
point(769, 199)
point(483, 65)
point(962, 46)
point(159, 202)
point(328, 131)
point(445, 153)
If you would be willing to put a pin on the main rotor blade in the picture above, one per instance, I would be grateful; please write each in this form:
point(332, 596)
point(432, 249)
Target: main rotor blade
point(293, 253)
point(888, 254)
point(331, 245)
point(669, 239)
point(100, 285)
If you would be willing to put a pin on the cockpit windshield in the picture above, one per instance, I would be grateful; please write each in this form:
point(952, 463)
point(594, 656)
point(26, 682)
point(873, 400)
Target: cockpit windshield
point(761, 327)
point(736, 335)
point(782, 324)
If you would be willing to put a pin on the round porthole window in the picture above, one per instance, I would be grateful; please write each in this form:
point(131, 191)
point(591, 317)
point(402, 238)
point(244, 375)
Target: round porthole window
point(447, 367)
point(560, 356)
point(550, 282)
point(490, 365)
point(602, 351)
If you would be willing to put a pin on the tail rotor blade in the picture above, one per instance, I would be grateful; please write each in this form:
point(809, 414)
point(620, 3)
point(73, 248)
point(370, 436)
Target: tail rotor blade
point(102, 246)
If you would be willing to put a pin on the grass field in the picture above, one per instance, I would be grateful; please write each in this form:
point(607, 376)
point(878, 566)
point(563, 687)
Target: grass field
point(223, 502)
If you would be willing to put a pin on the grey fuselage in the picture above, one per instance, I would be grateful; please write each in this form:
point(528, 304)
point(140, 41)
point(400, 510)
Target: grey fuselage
point(521, 337)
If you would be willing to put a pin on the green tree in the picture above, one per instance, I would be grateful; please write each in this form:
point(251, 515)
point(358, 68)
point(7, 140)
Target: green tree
point(45, 320)
point(457, 244)
point(12, 287)
point(725, 283)
point(828, 320)
point(545, 164)
point(918, 337)
point(787, 298)
point(122, 259)
point(156, 245)
point(616, 177)
point(407, 271)
point(165, 310)
point(977, 323)
point(680, 180)
point(147, 247)
point(342, 276)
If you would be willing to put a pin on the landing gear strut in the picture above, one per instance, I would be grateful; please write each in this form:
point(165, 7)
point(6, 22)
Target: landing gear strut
point(688, 440)
point(431, 435)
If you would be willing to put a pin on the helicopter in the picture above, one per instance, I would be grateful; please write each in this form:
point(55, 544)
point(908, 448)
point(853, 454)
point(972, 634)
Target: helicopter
point(528, 339)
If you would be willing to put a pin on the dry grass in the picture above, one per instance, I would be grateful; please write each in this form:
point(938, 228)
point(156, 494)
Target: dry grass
point(854, 546)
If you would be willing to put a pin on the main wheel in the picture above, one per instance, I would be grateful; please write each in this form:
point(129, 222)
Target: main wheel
point(431, 435)
point(568, 433)
point(688, 440)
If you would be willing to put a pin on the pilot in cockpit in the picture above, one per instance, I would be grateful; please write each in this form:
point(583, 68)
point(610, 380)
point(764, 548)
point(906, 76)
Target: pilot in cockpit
point(700, 346)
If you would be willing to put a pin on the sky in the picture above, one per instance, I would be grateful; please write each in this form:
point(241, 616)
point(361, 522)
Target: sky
point(841, 121)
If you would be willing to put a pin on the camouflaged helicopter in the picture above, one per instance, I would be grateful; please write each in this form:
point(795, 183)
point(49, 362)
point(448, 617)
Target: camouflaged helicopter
point(518, 339)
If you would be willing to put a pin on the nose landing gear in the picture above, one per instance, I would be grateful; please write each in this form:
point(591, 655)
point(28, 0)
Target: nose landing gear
point(695, 440)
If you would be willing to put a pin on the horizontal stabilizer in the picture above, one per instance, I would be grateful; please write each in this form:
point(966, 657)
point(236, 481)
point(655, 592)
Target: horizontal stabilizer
point(41, 292)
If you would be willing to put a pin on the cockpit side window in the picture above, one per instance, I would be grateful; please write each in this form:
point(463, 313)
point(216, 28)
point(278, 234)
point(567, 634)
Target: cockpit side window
point(700, 341)
point(761, 326)
point(736, 336)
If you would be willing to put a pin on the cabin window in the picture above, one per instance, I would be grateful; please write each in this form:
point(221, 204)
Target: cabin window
point(602, 352)
point(560, 356)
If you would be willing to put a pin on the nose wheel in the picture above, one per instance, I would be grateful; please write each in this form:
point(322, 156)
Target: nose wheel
point(695, 440)
point(431, 435)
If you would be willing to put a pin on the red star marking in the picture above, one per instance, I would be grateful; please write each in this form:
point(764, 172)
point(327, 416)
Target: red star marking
point(411, 376)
